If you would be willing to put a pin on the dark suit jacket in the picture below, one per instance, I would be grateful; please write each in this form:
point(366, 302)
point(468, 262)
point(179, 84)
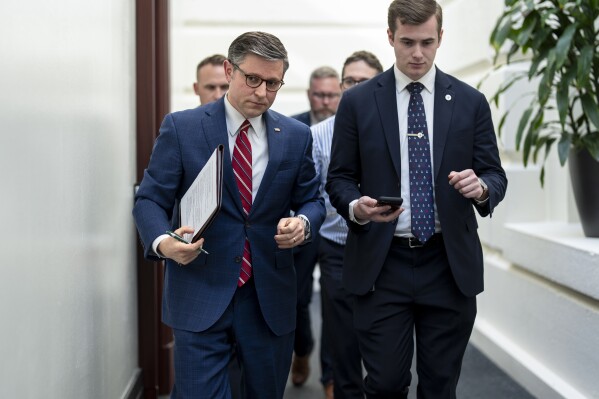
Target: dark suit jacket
point(365, 160)
point(196, 295)
point(304, 117)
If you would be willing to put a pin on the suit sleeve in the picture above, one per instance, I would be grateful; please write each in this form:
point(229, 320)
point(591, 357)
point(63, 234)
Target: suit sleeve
point(344, 169)
point(306, 198)
point(156, 196)
point(486, 162)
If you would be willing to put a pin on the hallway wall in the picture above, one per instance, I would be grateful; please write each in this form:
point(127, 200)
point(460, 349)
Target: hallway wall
point(68, 326)
point(314, 32)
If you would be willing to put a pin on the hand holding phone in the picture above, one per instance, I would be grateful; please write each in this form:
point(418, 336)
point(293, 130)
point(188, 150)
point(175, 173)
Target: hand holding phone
point(393, 202)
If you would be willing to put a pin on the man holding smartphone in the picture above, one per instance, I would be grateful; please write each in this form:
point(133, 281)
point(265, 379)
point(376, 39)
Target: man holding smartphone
point(417, 133)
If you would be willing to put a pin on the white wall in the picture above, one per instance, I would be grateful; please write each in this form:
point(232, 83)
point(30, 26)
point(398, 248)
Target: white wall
point(314, 32)
point(68, 316)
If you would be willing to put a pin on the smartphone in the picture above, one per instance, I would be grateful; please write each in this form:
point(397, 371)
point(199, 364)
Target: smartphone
point(394, 202)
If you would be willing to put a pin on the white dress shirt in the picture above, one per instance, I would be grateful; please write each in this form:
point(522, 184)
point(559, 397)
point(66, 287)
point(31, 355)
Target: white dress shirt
point(404, 222)
point(258, 140)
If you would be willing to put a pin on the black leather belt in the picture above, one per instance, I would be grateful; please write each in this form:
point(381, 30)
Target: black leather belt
point(413, 242)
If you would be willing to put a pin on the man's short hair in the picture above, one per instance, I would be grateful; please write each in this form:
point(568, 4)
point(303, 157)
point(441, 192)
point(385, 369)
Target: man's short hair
point(365, 56)
point(323, 72)
point(414, 12)
point(262, 44)
point(216, 60)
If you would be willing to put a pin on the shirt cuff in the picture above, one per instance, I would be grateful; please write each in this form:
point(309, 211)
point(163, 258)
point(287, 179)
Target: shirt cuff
point(352, 217)
point(155, 243)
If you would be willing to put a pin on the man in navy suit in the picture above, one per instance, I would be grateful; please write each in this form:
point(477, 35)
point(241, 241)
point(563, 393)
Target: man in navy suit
point(403, 284)
point(323, 94)
point(213, 300)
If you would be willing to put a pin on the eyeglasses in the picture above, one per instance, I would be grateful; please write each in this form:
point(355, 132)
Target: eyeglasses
point(328, 96)
point(254, 81)
point(350, 82)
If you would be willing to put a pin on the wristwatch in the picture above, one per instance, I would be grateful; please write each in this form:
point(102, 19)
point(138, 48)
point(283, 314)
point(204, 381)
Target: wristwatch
point(485, 195)
point(307, 232)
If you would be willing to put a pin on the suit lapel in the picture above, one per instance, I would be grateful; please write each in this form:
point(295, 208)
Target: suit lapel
point(444, 102)
point(215, 132)
point(274, 135)
point(386, 101)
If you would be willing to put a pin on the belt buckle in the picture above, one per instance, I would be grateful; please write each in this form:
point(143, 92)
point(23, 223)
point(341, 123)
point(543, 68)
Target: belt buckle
point(413, 242)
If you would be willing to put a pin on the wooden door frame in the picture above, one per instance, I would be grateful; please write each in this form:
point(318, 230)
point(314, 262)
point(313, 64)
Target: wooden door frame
point(152, 104)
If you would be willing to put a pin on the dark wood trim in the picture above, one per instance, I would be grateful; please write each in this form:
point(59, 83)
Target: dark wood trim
point(135, 387)
point(152, 101)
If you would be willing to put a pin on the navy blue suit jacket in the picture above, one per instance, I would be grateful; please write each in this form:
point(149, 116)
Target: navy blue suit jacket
point(365, 160)
point(304, 117)
point(196, 295)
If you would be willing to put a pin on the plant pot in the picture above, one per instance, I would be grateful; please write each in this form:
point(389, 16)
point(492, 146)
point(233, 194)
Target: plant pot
point(584, 174)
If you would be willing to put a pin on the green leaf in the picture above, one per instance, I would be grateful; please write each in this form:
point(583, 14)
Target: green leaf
point(542, 176)
point(562, 100)
point(536, 61)
point(589, 106)
point(591, 143)
point(563, 148)
point(499, 35)
point(530, 23)
point(532, 135)
point(563, 45)
point(501, 123)
point(540, 39)
point(584, 65)
point(542, 142)
point(546, 85)
point(513, 50)
point(521, 125)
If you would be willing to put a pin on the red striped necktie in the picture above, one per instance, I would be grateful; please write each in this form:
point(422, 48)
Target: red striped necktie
point(242, 167)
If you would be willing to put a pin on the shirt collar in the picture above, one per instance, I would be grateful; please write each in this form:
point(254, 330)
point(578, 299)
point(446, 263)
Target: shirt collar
point(235, 119)
point(428, 80)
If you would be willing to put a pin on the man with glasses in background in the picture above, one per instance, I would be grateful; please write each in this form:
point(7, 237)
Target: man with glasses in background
point(244, 290)
point(337, 315)
point(323, 94)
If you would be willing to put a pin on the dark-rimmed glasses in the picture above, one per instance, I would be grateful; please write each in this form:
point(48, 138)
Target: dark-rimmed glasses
point(254, 81)
point(350, 82)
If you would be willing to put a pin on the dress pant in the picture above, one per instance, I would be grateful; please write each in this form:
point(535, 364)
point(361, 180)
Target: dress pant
point(415, 294)
point(304, 259)
point(337, 320)
point(202, 358)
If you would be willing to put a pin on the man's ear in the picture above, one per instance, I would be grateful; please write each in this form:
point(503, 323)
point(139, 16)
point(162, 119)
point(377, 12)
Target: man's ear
point(228, 70)
point(390, 36)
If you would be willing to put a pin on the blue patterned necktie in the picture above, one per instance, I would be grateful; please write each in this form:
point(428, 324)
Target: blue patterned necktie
point(421, 182)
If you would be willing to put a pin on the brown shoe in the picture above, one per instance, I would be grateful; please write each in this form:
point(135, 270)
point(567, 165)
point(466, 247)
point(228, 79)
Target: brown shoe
point(300, 369)
point(329, 390)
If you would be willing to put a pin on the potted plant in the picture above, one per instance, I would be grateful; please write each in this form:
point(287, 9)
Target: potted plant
point(560, 40)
